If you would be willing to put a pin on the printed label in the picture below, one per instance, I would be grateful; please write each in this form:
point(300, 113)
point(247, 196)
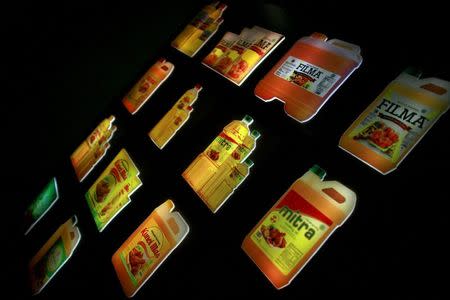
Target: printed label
point(48, 265)
point(220, 149)
point(312, 78)
point(289, 232)
point(144, 252)
point(394, 125)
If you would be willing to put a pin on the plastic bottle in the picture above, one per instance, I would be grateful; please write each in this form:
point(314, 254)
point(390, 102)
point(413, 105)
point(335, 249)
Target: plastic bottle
point(393, 124)
point(147, 85)
point(222, 187)
point(207, 163)
point(194, 43)
point(297, 226)
point(175, 118)
point(298, 78)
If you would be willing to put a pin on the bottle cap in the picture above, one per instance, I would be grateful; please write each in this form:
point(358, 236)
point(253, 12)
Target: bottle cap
point(198, 87)
point(318, 171)
point(413, 71)
point(247, 120)
point(249, 162)
point(255, 134)
point(319, 36)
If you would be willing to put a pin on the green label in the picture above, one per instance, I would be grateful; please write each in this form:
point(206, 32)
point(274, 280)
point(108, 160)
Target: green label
point(42, 203)
point(48, 265)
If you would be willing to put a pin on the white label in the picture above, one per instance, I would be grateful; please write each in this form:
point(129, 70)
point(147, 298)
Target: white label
point(308, 76)
point(394, 125)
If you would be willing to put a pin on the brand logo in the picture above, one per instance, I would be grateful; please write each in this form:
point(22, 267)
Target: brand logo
point(297, 222)
point(309, 70)
point(153, 243)
point(402, 113)
point(121, 169)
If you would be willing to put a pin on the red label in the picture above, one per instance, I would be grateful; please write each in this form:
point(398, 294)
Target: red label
point(296, 202)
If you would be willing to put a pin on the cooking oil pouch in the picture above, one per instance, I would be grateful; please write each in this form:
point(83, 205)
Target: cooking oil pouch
point(221, 48)
point(115, 205)
point(297, 225)
point(93, 149)
point(53, 255)
point(253, 56)
point(175, 118)
point(119, 177)
point(148, 247)
point(240, 60)
point(41, 205)
point(147, 85)
point(308, 75)
point(197, 33)
point(384, 134)
point(223, 146)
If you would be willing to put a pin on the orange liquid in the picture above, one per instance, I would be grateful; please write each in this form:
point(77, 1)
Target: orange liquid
point(300, 103)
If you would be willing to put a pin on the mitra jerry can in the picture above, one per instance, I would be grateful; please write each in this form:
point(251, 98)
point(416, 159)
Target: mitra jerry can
point(148, 246)
point(175, 118)
point(394, 123)
point(298, 225)
point(147, 85)
point(308, 75)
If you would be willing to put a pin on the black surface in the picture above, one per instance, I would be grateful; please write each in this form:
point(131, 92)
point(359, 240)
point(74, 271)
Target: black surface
point(80, 61)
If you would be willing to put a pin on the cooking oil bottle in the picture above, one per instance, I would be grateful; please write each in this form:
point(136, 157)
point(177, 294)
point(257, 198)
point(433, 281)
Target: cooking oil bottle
point(175, 118)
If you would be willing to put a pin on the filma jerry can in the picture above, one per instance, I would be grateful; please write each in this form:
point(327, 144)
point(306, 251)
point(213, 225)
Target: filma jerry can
point(308, 74)
point(393, 124)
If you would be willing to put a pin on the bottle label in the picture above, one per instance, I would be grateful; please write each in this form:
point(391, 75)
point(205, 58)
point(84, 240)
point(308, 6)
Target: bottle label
point(394, 125)
point(289, 231)
point(48, 265)
point(144, 252)
point(312, 78)
point(220, 149)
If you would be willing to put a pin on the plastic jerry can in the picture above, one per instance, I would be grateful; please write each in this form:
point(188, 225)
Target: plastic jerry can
point(308, 74)
point(148, 246)
point(175, 118)
point(147, 85)
point(393, 124)
point(298, 225)
point(53, 255)
point(209, 161)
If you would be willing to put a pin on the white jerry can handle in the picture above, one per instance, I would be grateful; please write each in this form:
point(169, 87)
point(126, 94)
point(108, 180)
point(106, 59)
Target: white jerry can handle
point(349, 196)
point(349, 46)
point(436, 86)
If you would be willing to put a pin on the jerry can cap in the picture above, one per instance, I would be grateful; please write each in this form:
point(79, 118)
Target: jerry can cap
point(247, 119)
point(413, 71)
point(319, 36)
point(255, 134)
point(249, 162)
point(316, 169)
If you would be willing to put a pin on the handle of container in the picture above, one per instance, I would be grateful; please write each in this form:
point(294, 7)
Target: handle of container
point(349, 196)
point(436, 86)
point(339, 43)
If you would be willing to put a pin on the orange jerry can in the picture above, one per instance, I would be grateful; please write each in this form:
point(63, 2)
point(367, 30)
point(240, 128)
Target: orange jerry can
point(308, 75)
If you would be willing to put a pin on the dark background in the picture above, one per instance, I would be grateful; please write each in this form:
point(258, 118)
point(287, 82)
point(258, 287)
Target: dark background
point(70, 66)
